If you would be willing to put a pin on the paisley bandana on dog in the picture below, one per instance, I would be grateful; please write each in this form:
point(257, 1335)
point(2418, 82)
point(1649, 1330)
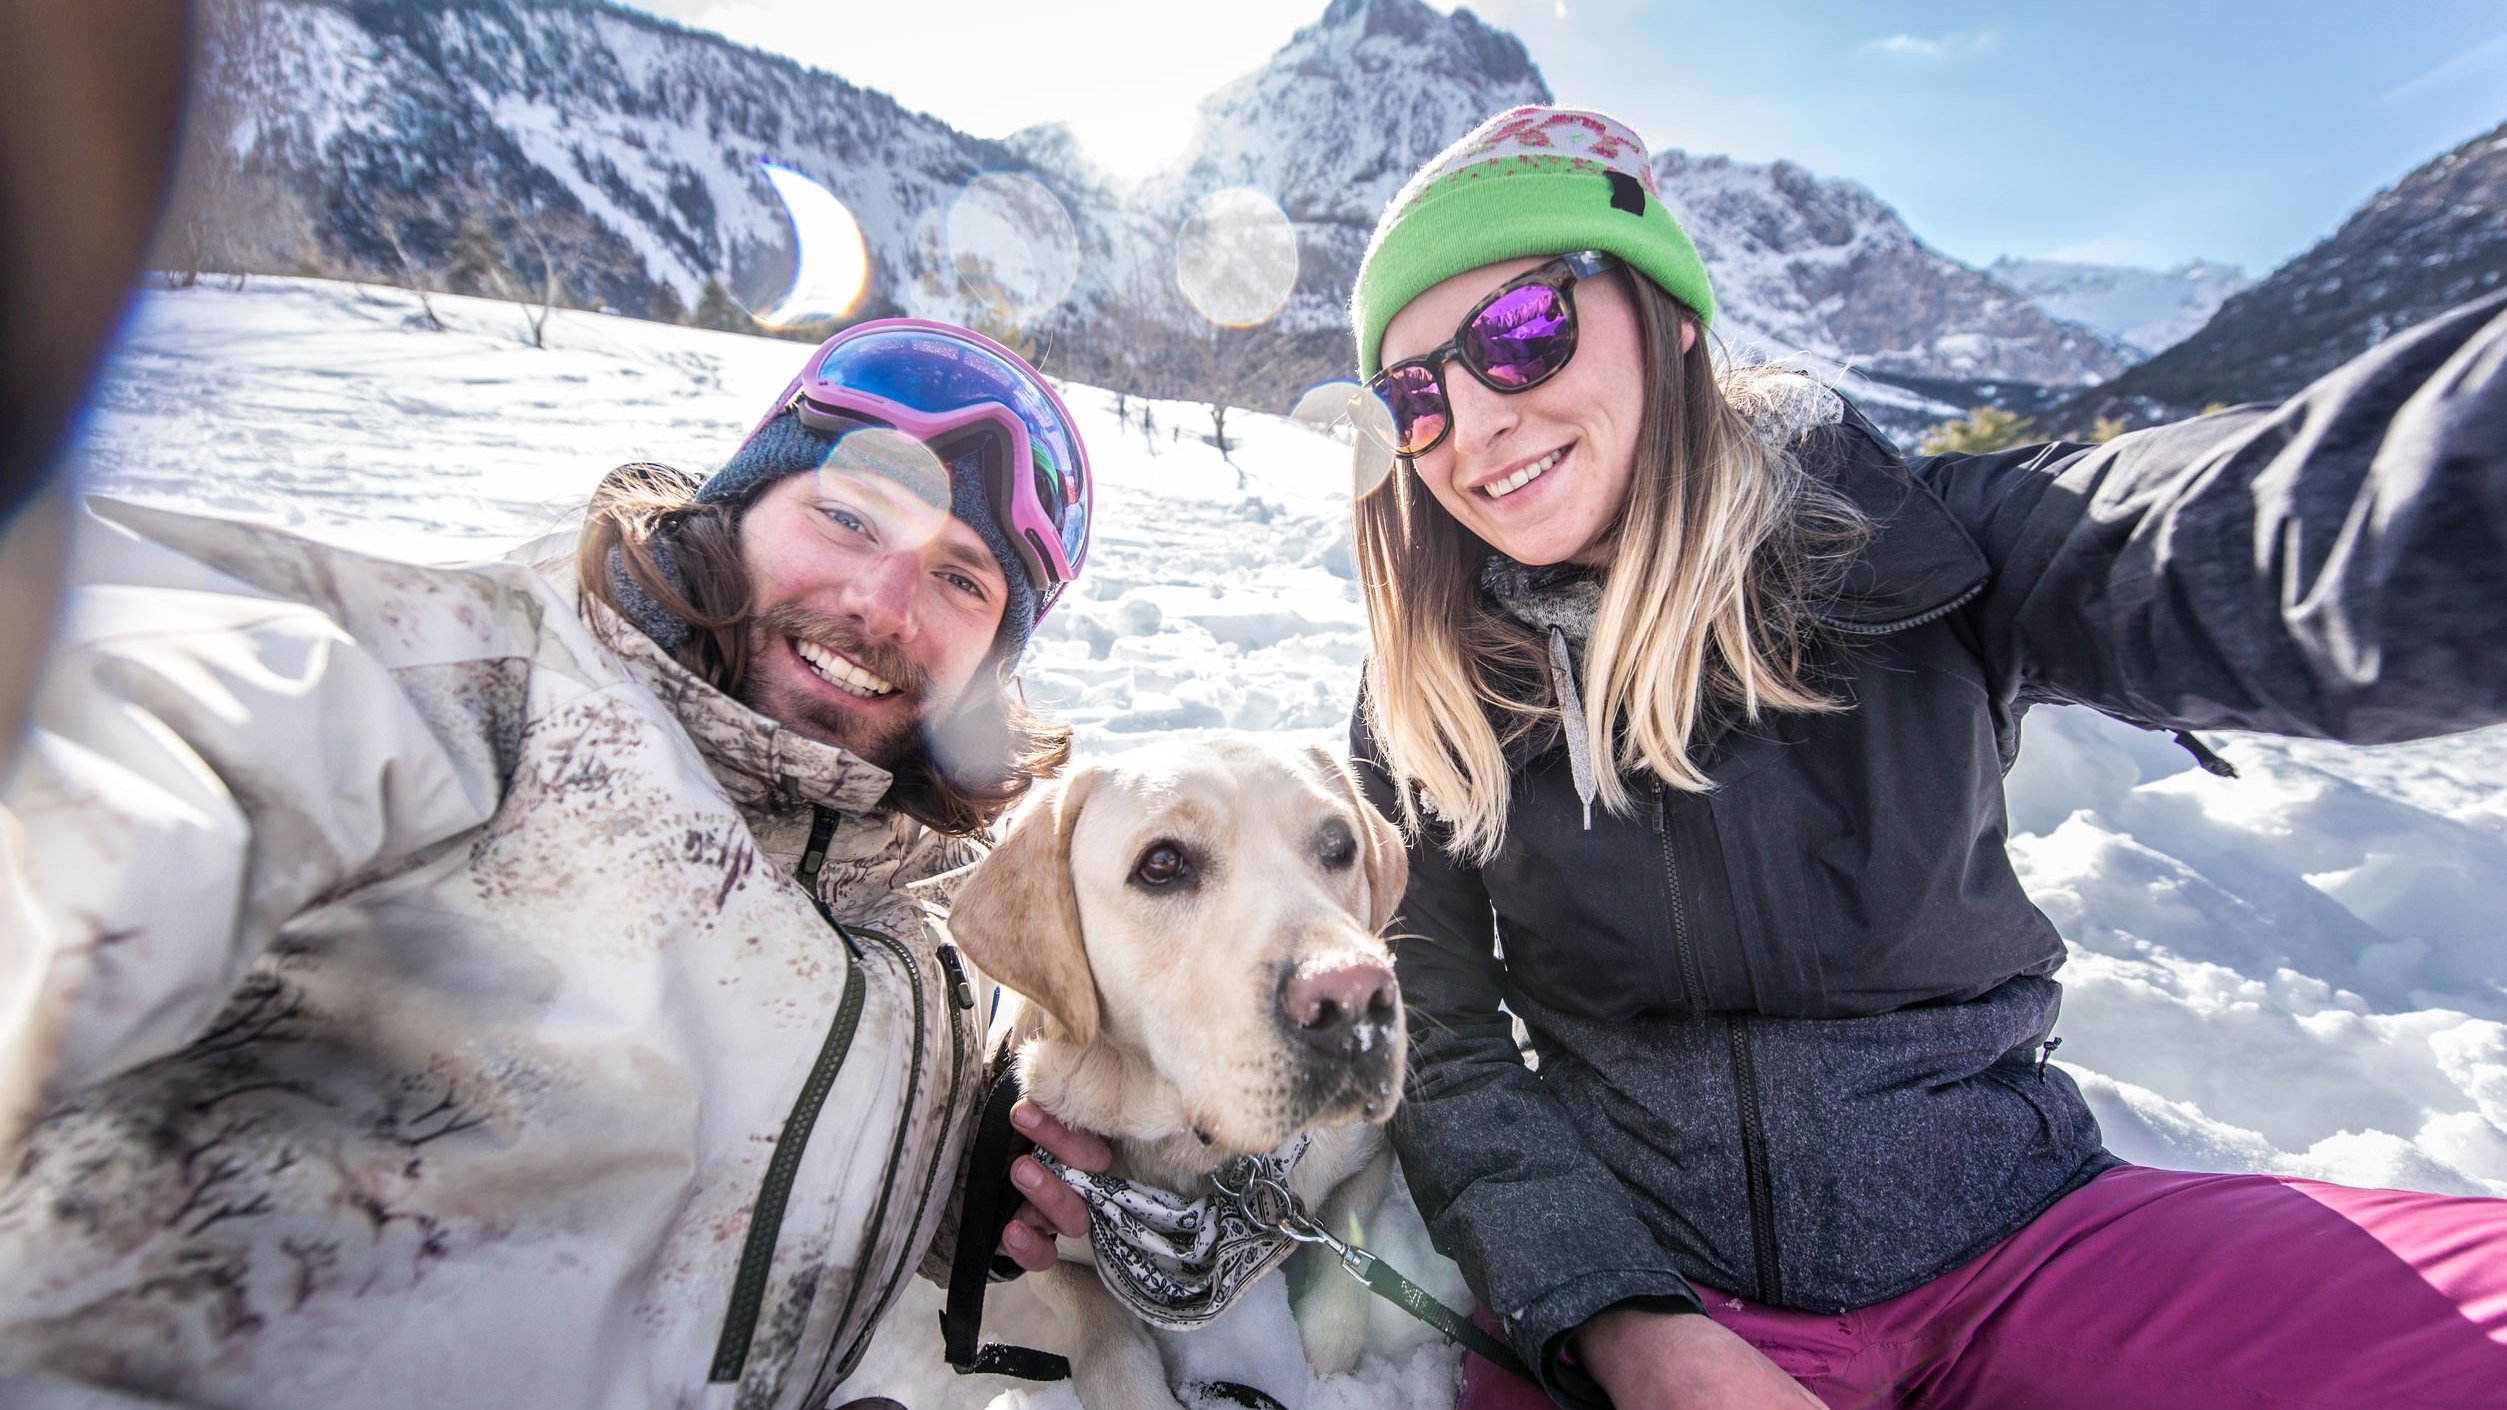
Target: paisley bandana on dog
point(1177, 1262)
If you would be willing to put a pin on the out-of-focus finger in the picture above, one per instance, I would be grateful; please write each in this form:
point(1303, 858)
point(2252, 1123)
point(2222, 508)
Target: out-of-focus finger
point(1053, 1202)
point(1081, 1150)
point(1027, 1246)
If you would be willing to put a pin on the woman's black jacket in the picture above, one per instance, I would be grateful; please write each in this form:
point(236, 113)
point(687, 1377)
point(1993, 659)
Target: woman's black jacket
point(1789, 1031)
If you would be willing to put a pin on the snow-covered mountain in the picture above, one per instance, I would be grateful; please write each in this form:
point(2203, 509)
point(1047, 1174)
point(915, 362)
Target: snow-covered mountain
point(1828, 268)
point(2434, 239)
point(422, 140)
point(2147, 310)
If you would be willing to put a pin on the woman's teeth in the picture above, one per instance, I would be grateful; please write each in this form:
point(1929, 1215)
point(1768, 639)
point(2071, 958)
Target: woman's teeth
point(840, 673)
point(1499, 489)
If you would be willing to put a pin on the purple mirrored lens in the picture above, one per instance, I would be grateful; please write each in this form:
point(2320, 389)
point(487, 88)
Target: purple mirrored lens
point(1522, 336)
point(1412, 394)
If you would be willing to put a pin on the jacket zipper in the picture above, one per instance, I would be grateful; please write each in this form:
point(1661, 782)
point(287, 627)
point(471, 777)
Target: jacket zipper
point(961, 1000)
point(1692, 985)
point(1754, 1173)
point(757, 1255)
point(896, 1157)
point(1885, 628)
point(1754, 1158)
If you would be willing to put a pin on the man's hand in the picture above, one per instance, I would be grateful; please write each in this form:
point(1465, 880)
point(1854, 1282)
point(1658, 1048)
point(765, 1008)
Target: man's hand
point(1682, 1361)
point(1050, 1208)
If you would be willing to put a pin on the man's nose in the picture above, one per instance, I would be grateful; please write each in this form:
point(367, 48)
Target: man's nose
point(881, 594)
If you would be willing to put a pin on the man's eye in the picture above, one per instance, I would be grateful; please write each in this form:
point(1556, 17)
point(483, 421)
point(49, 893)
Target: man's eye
point(964, 584)
point(844, 518)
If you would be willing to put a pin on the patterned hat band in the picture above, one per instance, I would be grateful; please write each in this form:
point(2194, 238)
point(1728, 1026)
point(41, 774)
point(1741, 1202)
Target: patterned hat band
point(1529, 181)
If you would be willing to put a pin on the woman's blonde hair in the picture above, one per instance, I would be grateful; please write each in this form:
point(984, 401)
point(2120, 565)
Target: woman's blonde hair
point(1722, 546)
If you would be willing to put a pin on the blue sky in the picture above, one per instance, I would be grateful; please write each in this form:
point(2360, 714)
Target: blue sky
point(2131, 131)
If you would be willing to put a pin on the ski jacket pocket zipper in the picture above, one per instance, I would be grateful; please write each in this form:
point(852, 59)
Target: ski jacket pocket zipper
point(757, 1254)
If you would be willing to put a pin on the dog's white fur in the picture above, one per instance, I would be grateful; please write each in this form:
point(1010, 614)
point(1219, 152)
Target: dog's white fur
point(1149, 1014)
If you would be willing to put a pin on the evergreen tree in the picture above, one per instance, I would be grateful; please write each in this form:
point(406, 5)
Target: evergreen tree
point(715, 309)
point(1984, 428)
point(664, 306)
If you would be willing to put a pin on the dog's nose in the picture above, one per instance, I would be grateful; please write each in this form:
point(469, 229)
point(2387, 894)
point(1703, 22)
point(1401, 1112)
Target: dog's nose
point(1341, 1010)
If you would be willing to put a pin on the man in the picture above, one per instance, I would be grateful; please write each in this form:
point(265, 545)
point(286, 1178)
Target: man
point(499, 986)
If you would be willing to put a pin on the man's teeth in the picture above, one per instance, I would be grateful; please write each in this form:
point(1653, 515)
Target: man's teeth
point(1501, 488)
point(840, 673)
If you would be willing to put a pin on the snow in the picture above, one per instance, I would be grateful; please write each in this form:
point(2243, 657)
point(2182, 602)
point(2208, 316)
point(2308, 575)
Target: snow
point(2297, 970)
point(2149, 310)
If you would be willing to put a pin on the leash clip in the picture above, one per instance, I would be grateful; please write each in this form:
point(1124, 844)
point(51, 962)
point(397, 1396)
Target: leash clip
point(1265, 1200)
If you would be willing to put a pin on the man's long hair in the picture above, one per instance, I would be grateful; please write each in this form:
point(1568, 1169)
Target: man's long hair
point(1721, 546)
point(641, 505)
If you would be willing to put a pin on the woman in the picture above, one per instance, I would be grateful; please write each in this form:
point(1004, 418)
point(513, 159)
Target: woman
point(1695, 700)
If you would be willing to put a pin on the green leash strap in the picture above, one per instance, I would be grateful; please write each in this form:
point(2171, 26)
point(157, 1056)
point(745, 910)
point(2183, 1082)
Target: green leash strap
point(1388, 1283)
point(1267, 1202)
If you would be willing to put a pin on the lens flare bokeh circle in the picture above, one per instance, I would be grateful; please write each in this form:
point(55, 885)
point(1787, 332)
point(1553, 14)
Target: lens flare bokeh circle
point(831, 264)
point(1349, 413)
point(1007, 252)
point(1236, 257)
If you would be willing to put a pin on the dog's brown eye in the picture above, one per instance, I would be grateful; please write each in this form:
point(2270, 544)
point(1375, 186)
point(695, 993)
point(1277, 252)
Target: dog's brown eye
point(1338, 848)
point(1162, 865)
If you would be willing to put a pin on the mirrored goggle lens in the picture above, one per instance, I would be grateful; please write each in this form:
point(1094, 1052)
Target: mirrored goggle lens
point(931, 372)
point(1417, 403)
point(1523, 336)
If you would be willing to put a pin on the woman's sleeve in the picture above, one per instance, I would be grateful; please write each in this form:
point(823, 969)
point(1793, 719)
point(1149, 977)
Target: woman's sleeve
point(2333, 566)
point(1544, 1231)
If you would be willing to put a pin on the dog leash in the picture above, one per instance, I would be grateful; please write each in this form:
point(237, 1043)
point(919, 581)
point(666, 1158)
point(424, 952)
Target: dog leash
point(989, 1201)
point(1266, 1201)
point(1253, 1187)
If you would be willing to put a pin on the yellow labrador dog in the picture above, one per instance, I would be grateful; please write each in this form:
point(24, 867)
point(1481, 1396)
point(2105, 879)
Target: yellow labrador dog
point(1194, 932)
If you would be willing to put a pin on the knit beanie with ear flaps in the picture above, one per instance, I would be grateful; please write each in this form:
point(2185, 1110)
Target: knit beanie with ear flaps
point(782, 446)
point(1529, 181)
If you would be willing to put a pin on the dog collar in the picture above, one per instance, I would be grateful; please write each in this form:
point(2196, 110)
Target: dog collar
point(1177, 1262)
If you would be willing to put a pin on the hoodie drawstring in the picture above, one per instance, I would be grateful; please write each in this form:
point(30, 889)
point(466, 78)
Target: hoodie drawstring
point(1562, 672)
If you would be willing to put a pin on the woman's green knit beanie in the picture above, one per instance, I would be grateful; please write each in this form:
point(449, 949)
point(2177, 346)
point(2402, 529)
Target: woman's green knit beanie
point(1530, 181)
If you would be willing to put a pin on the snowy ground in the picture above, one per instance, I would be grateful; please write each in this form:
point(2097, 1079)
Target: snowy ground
point(2299, 970)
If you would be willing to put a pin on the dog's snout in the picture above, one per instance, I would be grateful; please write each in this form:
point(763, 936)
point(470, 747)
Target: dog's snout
point(1341, 1010)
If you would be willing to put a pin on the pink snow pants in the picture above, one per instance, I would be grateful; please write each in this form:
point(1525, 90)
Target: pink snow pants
point(2166, 1290)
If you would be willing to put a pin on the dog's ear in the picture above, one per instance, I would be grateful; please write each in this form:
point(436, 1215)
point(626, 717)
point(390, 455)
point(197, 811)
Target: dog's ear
point(1017, 915)
point(1380, 847)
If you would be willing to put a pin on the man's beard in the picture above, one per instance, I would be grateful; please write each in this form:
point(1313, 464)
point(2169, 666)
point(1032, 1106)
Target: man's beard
point(885, 742)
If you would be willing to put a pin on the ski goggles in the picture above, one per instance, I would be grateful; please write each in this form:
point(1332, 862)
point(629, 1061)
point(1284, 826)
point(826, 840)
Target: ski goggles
point(1512, 341)
point(957, 392)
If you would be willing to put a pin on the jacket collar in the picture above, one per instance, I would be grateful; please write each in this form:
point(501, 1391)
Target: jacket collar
point(1919, 562)
point(758, 760)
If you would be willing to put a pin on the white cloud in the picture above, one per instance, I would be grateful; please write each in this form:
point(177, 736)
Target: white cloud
point(1915, 48)
point(1907, 46)
point(2486, 61)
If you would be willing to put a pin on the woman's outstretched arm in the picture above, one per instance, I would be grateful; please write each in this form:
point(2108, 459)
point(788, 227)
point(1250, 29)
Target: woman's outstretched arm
point(2333, 566)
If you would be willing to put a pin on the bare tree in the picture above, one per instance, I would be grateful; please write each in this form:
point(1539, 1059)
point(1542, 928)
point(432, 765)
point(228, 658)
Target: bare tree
point(401, 224)
point(548, 250)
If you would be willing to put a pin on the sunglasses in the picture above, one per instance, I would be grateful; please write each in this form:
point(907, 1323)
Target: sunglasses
point(1512, 341)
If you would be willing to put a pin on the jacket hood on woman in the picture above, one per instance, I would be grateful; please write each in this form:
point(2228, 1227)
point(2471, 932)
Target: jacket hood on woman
point(421, 1007)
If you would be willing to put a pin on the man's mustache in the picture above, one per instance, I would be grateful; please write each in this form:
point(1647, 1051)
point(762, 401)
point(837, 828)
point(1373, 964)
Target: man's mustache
point(840, 634)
